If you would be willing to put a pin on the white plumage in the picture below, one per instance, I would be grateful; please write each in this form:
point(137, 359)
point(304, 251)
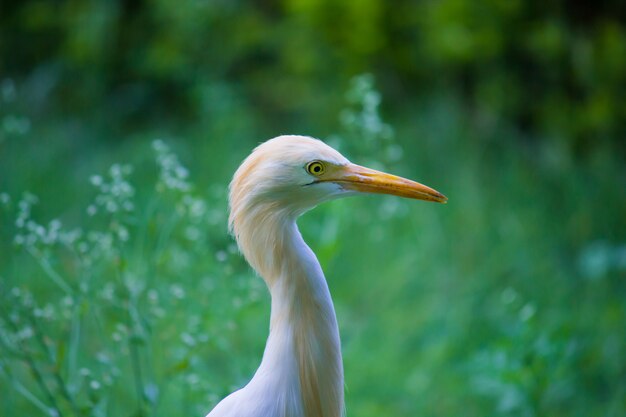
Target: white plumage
point(301, 374)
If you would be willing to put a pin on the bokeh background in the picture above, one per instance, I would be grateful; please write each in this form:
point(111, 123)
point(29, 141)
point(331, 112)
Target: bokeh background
point(121, 123)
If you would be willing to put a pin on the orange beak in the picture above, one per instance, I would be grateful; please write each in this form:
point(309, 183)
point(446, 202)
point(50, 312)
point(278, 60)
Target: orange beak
point(366, 180)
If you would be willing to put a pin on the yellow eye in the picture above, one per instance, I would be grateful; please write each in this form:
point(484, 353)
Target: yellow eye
point(315, 168)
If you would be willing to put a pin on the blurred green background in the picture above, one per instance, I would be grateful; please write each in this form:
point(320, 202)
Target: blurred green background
point(121, 124)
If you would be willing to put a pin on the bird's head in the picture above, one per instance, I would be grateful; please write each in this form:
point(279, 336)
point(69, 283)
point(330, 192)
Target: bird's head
point(292, 174)
point(288, 175)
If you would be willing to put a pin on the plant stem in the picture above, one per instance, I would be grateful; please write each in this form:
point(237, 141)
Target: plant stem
point(27, 357)
point(32, 398)
point(54, 275)
point(55, 368)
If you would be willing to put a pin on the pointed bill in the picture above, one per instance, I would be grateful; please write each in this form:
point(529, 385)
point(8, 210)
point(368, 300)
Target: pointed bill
point(366, 180)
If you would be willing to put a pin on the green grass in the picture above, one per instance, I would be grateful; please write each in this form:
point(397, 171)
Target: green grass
point(123, 295)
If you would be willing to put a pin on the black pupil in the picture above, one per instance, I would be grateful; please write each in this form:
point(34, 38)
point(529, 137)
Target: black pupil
point(316, 168)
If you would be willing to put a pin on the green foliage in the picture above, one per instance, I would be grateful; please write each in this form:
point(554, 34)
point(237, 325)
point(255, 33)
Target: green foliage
point(555, 70)
point(105, 318)
point(121, 292)
point(488, 305)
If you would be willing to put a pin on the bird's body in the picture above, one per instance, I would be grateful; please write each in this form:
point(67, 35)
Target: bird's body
point(301, 374)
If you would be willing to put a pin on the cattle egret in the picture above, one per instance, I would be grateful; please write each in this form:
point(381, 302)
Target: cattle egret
point(301, 373)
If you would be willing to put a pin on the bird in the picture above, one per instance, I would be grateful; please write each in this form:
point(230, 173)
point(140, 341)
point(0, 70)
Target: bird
point(301, 372)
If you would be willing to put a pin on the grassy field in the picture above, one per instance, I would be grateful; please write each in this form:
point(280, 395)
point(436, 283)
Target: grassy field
point(123, 295)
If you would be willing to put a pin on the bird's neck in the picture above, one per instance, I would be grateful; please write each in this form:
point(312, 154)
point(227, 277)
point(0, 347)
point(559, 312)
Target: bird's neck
point(302, 363)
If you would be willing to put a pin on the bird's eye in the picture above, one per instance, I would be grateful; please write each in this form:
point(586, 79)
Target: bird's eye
point(315, 168)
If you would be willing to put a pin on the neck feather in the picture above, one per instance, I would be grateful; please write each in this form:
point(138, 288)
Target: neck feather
point(302, 359)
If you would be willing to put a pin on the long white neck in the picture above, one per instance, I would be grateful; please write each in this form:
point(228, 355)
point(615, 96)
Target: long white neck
point(302, 366)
